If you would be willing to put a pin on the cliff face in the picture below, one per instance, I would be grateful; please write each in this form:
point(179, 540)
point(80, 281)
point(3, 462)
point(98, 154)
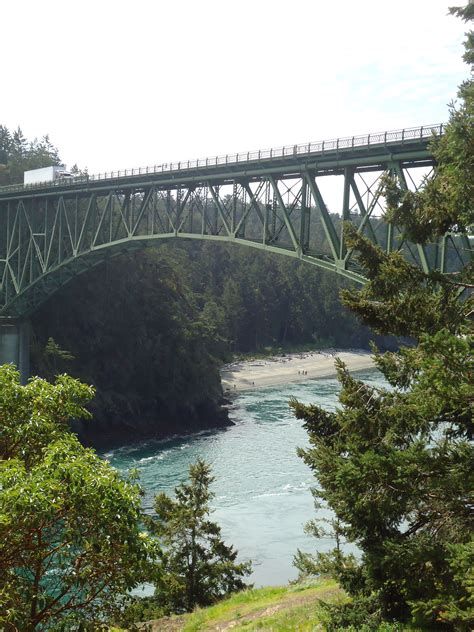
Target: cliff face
point(133, 331)
point(111, 428)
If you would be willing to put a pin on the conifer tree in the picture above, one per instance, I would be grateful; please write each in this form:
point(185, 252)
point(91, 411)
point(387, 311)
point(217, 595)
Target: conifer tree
point(396, 465)
point(5, 144)
point(198, 568)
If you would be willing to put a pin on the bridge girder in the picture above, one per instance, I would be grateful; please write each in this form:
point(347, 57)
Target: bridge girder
point(51, 233)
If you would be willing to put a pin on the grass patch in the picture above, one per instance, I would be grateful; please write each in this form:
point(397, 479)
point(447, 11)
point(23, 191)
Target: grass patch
point(249, 607)
point(292, 608)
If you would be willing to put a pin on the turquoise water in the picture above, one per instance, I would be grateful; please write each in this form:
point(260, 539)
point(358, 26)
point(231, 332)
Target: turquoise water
point(262, 489)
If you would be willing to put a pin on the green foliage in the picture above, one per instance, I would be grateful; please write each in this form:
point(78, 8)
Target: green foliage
point(334, 563)
point(18, 155)
point(454, 606)
point(54, 359)
point(138, 609)
point(70, 536)
point(361, 615)
point(34, 416)
point(396, 468)
point(197, 568)
point(398, 288)
point(395, 465)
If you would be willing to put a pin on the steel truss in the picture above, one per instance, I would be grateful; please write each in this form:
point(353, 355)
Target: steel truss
point(284, 204)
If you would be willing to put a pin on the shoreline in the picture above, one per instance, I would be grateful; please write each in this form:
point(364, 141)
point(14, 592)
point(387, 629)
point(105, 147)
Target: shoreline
point(295, 367)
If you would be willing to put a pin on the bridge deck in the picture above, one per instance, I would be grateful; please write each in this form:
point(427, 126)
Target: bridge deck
point(371, 151)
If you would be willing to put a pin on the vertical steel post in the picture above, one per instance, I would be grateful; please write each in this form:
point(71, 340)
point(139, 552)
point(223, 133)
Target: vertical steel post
point(389, 237)
point(215, 214)
point(15, 346)
point(392, 168)
point(345, 209)
point(267, 209)
point(168, 210)
point(420, 247)
point(235, 195)
point(443, 259)
point(274, 216)
point(178, 210)
point(305, 217)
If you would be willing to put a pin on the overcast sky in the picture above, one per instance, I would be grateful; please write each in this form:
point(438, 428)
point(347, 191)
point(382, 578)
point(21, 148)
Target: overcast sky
point(121, 83)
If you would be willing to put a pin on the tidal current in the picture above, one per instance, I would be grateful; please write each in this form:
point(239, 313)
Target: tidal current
point(262, 488)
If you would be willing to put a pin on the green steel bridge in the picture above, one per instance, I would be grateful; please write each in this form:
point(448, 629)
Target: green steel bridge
point(279, 200)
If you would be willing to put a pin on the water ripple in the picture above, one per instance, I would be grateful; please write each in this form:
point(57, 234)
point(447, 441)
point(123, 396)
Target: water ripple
point(262, 489)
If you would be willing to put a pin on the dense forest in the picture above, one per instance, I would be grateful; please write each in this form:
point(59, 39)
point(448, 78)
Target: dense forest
point(151, 329)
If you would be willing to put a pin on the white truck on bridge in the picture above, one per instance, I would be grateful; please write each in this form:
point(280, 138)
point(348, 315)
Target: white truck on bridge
point(46, 174)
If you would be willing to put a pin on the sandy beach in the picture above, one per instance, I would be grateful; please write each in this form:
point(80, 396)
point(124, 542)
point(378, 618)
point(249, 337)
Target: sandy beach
point(295, 367)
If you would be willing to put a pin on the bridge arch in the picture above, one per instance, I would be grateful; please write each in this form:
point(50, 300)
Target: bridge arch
point(271, 200)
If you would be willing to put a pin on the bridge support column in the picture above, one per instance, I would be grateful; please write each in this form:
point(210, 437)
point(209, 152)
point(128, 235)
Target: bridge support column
point(15, 346)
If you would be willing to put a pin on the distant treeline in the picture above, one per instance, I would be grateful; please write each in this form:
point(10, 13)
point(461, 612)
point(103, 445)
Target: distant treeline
point(18, 154)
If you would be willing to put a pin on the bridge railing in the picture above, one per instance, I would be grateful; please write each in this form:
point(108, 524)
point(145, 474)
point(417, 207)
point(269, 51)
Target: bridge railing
point(351, 142)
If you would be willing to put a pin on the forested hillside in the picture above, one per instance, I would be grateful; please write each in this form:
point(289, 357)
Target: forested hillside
point(134, 331)
point(151, 329)
point(260, 300)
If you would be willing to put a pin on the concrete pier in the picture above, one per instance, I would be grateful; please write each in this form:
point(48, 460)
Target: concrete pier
point(15, 346)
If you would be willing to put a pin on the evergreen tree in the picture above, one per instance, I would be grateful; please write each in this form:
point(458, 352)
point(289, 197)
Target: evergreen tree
point(396, 466)
point(19, 145)
point(5, 145)
point(54, 357)
point(198, 568)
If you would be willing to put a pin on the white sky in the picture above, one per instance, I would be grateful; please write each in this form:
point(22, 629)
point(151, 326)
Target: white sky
point(121, 83)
